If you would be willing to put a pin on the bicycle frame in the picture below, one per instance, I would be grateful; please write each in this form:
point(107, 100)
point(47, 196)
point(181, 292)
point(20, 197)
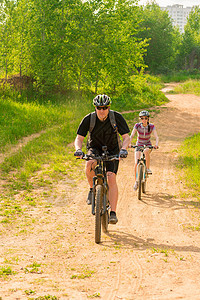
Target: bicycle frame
point(141, 161)
point(100, 201)
point(100, 178)
point(141, 171)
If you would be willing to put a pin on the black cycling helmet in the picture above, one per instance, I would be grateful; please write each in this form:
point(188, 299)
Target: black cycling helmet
point(144, 113)
point(101, 100)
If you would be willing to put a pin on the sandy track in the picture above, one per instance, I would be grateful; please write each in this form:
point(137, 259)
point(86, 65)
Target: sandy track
point(150, 254)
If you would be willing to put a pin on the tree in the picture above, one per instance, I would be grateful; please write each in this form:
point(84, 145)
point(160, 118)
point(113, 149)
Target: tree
point(189, 57)
point(6, 36)
point(117, 53)
point(157, 28)
point(72, 43)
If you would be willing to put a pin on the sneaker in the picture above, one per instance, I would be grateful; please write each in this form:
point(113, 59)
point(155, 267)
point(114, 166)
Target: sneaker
point(135, 186)
point(149, 171)
point(89, 198)
point(113, 218)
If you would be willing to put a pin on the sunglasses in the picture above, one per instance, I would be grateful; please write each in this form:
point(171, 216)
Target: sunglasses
point(100, 107)
point(144, 118)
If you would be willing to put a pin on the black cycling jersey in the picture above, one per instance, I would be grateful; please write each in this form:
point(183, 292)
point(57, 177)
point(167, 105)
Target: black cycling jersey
point(103, 133)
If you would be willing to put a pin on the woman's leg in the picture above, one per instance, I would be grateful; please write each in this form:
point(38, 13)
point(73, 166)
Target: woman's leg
point(147, 152)
point(137, 156)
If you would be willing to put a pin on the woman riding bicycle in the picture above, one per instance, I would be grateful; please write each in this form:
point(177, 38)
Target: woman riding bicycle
point(144, 130)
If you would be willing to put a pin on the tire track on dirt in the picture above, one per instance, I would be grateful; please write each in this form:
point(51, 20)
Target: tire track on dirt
point(130, 268)
point(160, 210)
point(21, 143)
point(135, 260)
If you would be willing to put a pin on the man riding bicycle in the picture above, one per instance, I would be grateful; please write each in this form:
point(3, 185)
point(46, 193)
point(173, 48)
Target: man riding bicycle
point(104, 133)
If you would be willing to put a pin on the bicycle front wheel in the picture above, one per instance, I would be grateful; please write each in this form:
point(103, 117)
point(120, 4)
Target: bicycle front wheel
point(141, 169)
point(144, 184)
point(98, 207)
point(104, 217)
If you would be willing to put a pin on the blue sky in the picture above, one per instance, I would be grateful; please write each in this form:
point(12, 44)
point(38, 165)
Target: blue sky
point(164, 3)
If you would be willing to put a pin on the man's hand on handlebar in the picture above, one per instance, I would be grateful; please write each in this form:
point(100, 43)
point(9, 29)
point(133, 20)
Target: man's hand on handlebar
point(79, 153)
point(123, 153)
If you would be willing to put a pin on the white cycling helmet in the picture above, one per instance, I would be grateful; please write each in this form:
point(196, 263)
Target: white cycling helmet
point(144, 113)
point(101, 100)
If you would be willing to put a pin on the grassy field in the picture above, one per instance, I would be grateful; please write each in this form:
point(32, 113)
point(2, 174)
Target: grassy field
point(37, 162)
point(181, 76)
point(37, 134)
point(189, 162)
point(189, 87)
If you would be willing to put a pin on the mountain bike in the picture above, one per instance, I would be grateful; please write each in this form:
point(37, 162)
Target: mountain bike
point(100, 201)
point(141, 171)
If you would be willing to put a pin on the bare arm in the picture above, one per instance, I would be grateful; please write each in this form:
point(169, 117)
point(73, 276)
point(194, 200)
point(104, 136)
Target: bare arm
point(78, 142)
point(156, 136)
point(126, 141)
point(133, 133)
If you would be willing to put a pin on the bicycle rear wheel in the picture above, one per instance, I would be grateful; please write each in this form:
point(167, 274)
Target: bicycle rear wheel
point(140, 181)
point(98, 207)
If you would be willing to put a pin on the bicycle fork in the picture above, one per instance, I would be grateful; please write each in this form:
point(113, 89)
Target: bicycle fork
point(97, 181)
point(144, 172)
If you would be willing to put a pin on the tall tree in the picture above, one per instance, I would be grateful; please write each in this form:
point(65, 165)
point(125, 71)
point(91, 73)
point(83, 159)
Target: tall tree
point(189, 57)
point(159, 31)
point(7, 15)
point(72, 43)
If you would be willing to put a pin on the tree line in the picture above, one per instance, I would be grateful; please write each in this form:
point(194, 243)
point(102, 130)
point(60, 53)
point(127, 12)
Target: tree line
point(67, 44)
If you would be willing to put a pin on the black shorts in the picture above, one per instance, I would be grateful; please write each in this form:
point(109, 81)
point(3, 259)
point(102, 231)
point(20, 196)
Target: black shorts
point(111, 166)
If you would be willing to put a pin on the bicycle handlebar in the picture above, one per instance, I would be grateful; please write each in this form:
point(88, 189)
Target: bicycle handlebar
point(101, 158)
point(143, 147)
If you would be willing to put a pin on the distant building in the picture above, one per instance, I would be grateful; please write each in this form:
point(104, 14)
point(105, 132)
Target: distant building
point(178, 14)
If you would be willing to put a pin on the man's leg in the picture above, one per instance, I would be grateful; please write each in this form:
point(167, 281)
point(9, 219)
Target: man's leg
point(89, 171)
point(113, 190)
point(113, 196)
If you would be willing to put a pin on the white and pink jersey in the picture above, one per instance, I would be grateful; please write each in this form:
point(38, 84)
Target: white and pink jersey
point(144, 134)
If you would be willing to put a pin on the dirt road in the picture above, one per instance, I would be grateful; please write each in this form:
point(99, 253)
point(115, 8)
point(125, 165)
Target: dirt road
point(152, 253)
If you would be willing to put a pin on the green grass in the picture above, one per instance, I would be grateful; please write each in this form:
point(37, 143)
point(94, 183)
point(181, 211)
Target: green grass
point(22, 118)
point(33, 268)
point(189, 87)
point(46, 297)
point(5, 271)
point(143, 92)
point(189, 162)
point(181, 76)
point(48, 157)
point(82, 274)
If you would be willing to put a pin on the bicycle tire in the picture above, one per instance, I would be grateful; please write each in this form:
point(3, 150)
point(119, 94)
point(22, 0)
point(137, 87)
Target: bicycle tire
point(104, 218)
point(144, 187)
point(144, 184)
point(98, 207)
point(140, 181)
